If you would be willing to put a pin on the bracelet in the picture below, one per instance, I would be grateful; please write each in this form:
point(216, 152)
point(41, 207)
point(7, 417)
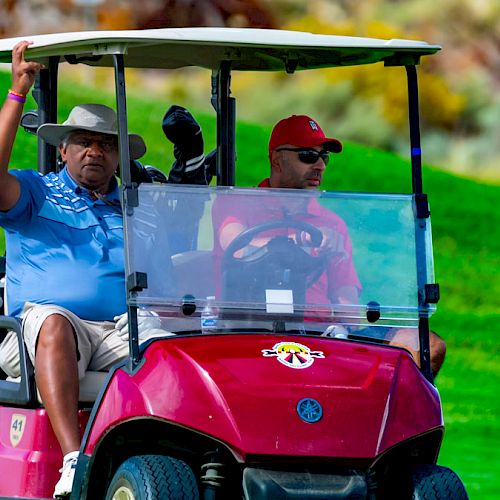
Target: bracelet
point(14, 96)
point(17, 93)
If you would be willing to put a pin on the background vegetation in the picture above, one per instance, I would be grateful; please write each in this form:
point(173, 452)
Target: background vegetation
point(465, 218)
point(460, 85)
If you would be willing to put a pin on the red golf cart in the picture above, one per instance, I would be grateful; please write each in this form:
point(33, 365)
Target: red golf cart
point(284, 395)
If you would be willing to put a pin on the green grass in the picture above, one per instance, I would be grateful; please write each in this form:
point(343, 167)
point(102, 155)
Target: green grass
point(466, 221)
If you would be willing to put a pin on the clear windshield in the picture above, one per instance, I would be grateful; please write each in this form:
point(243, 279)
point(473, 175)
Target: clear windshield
point(298, 259)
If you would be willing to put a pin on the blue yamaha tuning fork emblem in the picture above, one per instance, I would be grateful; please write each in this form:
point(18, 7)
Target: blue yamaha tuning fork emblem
point(309, 410)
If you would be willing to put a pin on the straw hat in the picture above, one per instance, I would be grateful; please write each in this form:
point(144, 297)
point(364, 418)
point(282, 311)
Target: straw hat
point(95, 118)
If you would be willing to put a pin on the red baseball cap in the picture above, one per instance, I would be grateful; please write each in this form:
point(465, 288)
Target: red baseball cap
point(303, 132)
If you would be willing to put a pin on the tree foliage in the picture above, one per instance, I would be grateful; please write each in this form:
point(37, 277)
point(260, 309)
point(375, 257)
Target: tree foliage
point(459, 87)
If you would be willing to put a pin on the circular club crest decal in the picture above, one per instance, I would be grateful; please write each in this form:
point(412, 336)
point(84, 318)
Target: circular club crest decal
point(293, 354)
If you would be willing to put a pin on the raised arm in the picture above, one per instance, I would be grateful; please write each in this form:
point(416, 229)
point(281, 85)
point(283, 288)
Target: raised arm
point(23, 77)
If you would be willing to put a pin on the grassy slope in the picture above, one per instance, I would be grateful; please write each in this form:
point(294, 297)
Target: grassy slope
point(467, 248)
point(465, 219)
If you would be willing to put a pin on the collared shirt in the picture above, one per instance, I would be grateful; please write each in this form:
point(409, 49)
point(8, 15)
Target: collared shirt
point(64, 247)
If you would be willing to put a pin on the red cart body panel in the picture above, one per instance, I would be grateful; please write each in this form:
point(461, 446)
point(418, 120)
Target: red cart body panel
point(30, 455)
point(233, 388)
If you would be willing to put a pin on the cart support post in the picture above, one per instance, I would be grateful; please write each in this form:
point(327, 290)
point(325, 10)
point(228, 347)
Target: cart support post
point(129, 191)
point(121, 111)
point(422, 213)
point(45, 94)
point(225, 127)
point(425, 350)
point(416, 152)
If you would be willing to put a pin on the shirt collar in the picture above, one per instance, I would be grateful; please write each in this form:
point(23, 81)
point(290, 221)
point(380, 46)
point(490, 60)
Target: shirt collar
point(65, 176)
point(314, 208)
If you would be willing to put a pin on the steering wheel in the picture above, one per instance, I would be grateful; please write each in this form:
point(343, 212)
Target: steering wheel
point(244, 238)
point(281, 263)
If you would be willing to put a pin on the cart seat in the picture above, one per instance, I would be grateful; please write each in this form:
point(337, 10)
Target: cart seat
point(21, 390)
point(200, 284)
point(90, 385)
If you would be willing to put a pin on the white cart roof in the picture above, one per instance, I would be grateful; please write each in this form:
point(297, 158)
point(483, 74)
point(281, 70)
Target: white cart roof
point(247, 49)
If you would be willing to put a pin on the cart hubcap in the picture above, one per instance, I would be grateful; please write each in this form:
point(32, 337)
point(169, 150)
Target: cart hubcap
point(123, 493)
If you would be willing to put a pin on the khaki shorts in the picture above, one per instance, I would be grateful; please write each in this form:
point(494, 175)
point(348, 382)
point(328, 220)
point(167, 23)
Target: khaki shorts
point(99, 346)
point(9, 355)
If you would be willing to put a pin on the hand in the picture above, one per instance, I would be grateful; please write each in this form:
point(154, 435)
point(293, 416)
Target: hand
point(332, 243)
point(337, 331)
point(146, 321)
point(23, 72)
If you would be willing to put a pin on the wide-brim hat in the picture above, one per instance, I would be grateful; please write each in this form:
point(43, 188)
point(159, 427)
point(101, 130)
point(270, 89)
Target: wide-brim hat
point(301, 131)
point(94, 118)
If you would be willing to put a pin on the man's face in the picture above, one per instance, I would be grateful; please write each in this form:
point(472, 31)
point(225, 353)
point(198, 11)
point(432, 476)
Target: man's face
point(290, 171)
point(92, 158)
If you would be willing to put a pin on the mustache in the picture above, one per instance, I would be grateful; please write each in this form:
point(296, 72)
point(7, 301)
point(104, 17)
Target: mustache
point(315, 174)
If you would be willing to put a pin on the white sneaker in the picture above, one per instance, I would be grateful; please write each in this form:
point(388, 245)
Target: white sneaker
point(65, 483)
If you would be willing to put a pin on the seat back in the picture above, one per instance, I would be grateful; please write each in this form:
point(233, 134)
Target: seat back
point(22, 390)
point(200, 285)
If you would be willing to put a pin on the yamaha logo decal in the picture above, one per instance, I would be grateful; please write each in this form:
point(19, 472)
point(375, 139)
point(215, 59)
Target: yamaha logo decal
point(309, 410)
point(293, 354)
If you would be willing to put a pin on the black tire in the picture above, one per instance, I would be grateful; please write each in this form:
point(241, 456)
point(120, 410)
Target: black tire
point(153, 477)
point(434, 482)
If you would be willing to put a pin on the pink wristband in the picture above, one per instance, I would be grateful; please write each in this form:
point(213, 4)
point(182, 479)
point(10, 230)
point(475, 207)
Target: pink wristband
point(16, 97)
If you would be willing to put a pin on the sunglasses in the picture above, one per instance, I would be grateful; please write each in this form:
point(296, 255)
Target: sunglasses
point(309, 156)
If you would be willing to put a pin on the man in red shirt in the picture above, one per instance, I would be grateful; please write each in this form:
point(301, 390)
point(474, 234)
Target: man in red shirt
point(298, 153)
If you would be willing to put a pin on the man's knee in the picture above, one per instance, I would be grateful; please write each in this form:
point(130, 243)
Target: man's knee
point(438, 352)
point(408, 340)
point(56, 332)
point(438, 345)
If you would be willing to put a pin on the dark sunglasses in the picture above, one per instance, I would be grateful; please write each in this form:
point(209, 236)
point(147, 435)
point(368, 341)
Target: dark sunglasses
point(309, 156)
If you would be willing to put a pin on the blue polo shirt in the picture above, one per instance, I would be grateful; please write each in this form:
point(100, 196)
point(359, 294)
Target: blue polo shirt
point(64, 248)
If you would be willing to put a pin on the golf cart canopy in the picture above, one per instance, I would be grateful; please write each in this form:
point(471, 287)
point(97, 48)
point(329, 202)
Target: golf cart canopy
point(246, 49)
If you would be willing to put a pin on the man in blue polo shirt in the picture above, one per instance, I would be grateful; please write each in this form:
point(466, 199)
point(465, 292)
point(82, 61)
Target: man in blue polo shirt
point(65, 270)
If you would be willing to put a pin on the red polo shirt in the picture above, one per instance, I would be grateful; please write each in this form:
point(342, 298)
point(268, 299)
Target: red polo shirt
point(340, 269)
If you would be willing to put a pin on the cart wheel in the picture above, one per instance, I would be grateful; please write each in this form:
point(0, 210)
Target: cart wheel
point(153, 477)
point(434, 482)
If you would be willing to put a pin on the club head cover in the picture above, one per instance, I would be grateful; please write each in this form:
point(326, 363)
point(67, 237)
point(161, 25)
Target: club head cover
point(180, 128)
